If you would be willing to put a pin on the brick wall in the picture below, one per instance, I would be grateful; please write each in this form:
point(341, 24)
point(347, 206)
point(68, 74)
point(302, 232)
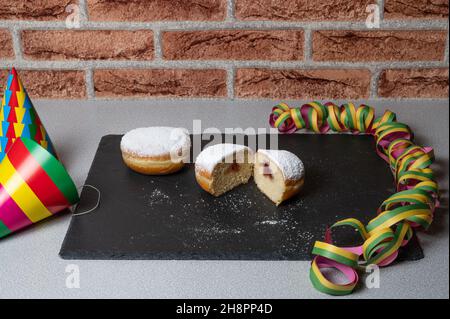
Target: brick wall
point(311, 49)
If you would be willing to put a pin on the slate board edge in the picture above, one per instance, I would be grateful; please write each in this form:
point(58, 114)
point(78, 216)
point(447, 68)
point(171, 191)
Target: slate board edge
point(62, 252)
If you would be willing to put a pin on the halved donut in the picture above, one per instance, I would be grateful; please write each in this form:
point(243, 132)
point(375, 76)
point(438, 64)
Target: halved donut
point(278, 174)
point(222, 167)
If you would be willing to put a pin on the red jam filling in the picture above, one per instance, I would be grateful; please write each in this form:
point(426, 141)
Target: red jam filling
point(267, 172)
point(235, 167)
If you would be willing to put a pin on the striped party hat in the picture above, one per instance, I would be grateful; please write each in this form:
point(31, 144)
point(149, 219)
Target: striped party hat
point(18, 118)
point(34, 185)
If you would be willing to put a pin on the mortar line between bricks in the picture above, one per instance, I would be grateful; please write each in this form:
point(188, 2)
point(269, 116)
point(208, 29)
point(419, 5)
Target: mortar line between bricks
point(157, 44)
point(446, 54)
point(238, 25)
point(89, 79)
point(374, 82)
point(308, 45)
point(381, 5)
point(231, 77)
point(231, 17)
point(83, 11)
point(88, 72)
point(17, 45)
point(214, 64)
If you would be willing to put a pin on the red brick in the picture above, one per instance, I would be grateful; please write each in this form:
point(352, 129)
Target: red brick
point(47, 10)
point(50, 84)
point(160, 83)
point(414, 83)
point(278, 45)
point(379, 45)
point(157, 10)
point(416, 9)
point(302, 84)
point(302, 10)
point(6, 45)
point(88, 45)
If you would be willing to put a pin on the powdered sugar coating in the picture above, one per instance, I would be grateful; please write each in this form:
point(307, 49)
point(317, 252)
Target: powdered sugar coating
point(289, 164)
point(220, 153)
point(156, 141)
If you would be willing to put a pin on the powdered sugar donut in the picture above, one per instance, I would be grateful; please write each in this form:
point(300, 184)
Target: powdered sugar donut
point(278, 174)
point(156, 150)
point(222, 167)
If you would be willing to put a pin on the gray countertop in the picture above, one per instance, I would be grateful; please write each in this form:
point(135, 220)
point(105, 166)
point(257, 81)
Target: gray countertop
point(31, 268)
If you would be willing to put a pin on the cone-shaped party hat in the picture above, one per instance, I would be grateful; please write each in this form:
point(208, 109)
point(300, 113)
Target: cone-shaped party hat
point(33, 185)
point(18, 118)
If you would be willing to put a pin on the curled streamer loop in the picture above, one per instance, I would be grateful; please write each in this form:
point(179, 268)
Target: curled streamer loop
point(321, 283)
point(413, 205)
point(315, 115)
point(334, 117)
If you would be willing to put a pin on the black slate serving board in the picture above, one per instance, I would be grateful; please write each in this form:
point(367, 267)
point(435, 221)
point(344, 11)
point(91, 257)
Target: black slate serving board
point(170, 217)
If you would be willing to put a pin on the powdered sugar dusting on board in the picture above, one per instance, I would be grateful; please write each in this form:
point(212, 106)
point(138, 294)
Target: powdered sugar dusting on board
point(213, 155)
point(157, 197)
point(155, 141)
point(290, 165)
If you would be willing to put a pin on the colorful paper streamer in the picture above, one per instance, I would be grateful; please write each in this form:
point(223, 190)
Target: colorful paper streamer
point(34, 185)
point(18, 118)
point(413, 205)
